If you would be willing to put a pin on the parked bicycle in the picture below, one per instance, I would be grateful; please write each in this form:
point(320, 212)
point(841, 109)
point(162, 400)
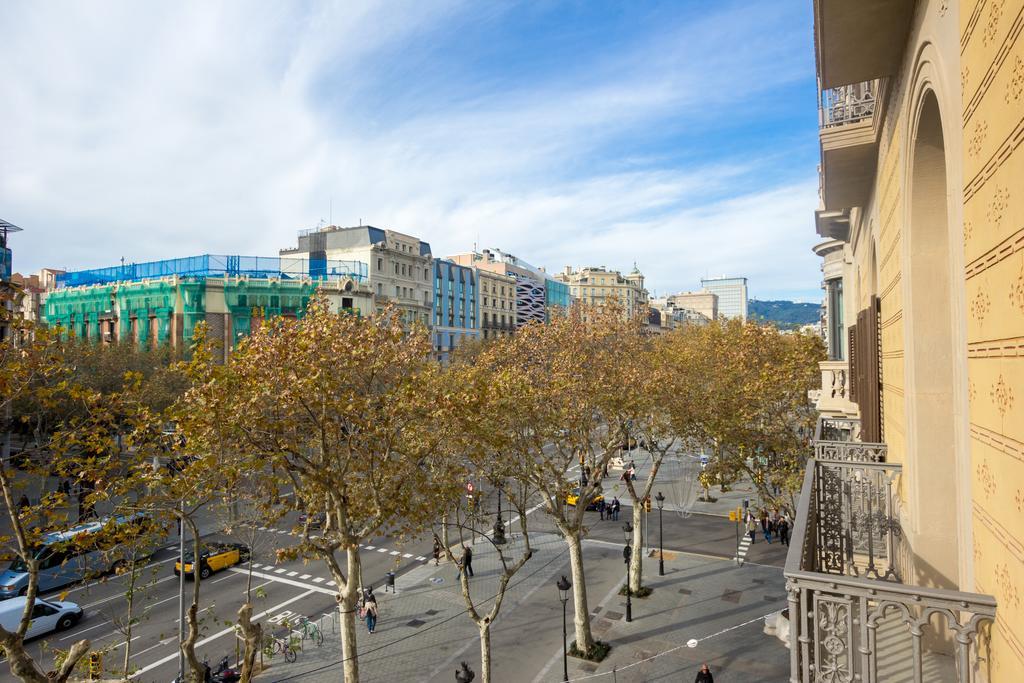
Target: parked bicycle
point(310, 630)
point(280, 646)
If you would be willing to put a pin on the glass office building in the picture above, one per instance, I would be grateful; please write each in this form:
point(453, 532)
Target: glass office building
point(732, 295)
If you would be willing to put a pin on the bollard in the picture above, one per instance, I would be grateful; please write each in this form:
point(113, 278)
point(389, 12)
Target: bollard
point(391, 583)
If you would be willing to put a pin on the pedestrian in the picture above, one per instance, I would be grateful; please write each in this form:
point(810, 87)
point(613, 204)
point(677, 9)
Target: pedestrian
point(768, 533)
point(23, 502)
point(764, 521)
point(467, 561)
point(600, 508)
point(751, 529)
point(784, 531)
point(704, 675)
point(615, 509)
point(371, 610)
point(437, 552)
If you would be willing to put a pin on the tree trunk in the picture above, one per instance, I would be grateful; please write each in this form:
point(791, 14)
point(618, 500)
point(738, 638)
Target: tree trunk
point(23, 667)
point(485, 651)
point(581, 618)
point(252, 635)
point(348, 595)
point(636, 562)
point(188, 646)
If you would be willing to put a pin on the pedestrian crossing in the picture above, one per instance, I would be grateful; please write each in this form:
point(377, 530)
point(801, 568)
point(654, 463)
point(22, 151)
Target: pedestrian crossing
point(387, 551)
point(741, 552)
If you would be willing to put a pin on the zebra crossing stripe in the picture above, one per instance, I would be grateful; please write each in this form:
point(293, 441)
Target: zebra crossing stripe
point(318, 579)
point(382, 550)
point(369, 547)
point(421, 559)
point(331, 583)
point(305, 577)
point(282, 570)
point(393, 552)
point(293, 573)
point(407, 555)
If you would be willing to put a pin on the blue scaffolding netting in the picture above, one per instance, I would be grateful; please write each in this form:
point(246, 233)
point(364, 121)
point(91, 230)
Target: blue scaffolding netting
point(214, 265)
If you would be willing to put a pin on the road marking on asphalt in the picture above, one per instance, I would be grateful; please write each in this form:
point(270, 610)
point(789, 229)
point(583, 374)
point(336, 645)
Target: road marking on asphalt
point(229, 576)
point(382, 550)
point(407, 555)
point(331, 583)
point(421, 559)
point(230, 629)
point(121, 595)
point(51, 595)
point(369, 547)
point(292, 582)
point(293, 573)
point(393, 552)
point(305, 577)
point(282, 531)
point(282, 570)
point(318, 580)
point(77, 633)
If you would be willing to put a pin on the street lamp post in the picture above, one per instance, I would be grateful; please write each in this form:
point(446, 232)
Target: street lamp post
point(660, 498)
point(627, 555)
point(563, 595)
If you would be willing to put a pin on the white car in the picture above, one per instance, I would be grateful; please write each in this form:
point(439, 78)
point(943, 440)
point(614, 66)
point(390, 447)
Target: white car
point(47, 615)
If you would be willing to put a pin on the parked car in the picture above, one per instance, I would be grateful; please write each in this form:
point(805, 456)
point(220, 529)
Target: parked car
point(47, 615)
point(213, 558)
point(573, 497)
point(316, 520)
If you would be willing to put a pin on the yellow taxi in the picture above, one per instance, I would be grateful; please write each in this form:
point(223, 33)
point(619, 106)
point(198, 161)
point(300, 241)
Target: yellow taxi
point(572, 497)
point(213, 558)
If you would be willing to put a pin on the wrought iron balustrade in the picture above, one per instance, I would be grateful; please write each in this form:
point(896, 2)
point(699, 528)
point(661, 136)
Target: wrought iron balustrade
point(853, 614)
point(847, 104)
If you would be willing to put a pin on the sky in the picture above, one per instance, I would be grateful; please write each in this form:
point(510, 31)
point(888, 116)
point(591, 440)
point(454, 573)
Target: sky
point(677, 135)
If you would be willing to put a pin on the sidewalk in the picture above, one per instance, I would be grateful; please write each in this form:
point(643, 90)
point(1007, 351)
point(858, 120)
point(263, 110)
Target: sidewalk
point(424, 633)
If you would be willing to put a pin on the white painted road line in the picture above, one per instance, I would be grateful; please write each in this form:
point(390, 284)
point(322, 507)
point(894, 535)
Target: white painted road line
point(305, 577)
point(421, 559)
point(77, 633)
point(293, 573)
point(331, 583)
point(407, 555)
point(293, 582)
point(230, 629)
point(369, 547)
point(318, 579)
point(121, 595)
point(382, 550)
point(282, 570)
point(393, 552)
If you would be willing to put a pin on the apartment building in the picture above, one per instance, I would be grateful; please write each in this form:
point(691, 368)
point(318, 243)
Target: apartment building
point(398, 265)
point(703, 303)
point(497, 303)
point(6, 261)
point(599, 286)
point(455, 307)
point(921, 114)
point(530, 293)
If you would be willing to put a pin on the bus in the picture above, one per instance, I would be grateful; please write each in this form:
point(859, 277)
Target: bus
point(70, 556)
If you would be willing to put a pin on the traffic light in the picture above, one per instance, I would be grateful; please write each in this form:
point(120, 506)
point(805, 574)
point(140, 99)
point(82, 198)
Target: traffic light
point(470, 502)
point(647, 504)
point(95, 666)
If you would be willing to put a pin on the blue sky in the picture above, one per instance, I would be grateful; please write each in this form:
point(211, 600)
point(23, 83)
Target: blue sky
point(680, 135)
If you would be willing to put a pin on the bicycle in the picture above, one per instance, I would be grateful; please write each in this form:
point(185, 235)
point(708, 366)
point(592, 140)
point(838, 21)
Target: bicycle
point(277, 646)
point(312, 631)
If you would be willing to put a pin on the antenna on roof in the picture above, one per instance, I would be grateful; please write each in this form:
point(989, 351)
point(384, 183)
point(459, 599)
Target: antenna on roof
point(331, 214)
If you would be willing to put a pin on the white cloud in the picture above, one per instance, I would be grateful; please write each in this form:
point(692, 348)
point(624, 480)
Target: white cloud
point(151, 131)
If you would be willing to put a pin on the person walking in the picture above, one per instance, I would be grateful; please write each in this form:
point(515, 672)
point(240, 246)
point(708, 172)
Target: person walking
point(784, 531)
point(704, 675)
point(437, 552)
point(467, 561)
point(615, 509)
point(766, 527)
point(370, 610)
point(600, 508)
point(751, 529)
point(23, 502)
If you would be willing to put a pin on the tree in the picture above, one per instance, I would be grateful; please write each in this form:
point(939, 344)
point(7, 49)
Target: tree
point(339, 406)
point(482, 430)
point(565, 413)
point(756, 415)
point(86, 447)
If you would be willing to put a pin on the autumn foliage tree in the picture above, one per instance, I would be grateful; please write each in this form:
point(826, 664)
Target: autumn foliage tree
point(340, 407)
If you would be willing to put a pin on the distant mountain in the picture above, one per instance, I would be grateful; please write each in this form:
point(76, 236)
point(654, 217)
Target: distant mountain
point(784, 313)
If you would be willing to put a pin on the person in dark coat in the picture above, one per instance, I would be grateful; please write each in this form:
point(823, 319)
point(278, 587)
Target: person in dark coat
point(467, 561)
point(437, 552)
point(704, 675)
point(784, 531)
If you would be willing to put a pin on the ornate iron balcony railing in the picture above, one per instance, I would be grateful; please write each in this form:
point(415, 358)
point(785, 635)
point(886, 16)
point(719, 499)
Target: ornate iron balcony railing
point(852, 616)
point(847, 104)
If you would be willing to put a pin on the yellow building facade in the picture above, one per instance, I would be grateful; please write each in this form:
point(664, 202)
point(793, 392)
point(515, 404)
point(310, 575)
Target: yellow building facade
point(922, 180)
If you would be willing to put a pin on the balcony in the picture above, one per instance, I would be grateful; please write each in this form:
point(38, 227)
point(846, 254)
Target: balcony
point(849, 132)
point(853, 614)
point(859, 41)
point(834, 396)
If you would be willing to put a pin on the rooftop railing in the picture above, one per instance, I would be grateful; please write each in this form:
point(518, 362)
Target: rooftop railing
point(847, 104)
point(855, 614)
